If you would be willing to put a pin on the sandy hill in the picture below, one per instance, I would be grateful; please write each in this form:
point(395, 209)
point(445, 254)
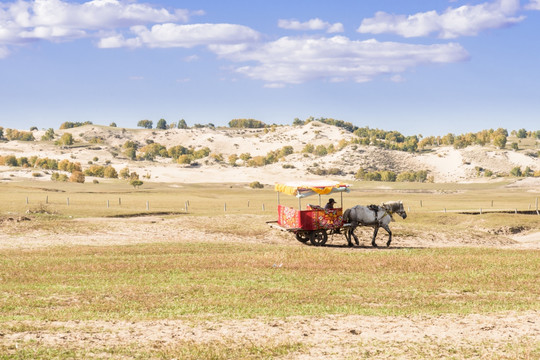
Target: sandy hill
point(444, 164)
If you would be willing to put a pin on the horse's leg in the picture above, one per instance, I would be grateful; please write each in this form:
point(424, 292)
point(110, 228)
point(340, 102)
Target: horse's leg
point(375, 231)
point(348, 236)
point(351, 233)
point(355, 225)
point(387, 228)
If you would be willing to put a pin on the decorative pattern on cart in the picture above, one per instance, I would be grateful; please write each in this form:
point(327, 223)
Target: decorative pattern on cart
point(289, 217)
point(329, 219)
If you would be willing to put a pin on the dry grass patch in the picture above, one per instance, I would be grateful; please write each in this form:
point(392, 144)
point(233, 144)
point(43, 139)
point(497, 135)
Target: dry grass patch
point(187, 350)
point(168, 281)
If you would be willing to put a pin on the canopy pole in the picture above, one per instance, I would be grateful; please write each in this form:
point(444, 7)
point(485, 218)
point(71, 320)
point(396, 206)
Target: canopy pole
point(319, 199)
point(278, 198)
point(299, 203)
point(341, 200)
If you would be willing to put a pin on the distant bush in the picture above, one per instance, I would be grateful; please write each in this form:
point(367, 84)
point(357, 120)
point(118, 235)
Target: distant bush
point(59, 177)
point(49, 135)
point(95, 170)
point(256, 185)
point(77, 176)
point(151, 151)
point(66, 165)
point(124, 173)
point(161, 124)
point(136, 183)
point(70, 125)
point(65, 140)
point(232, 159)
point(147, 124)
point(110, 172)
point(245, 157)
point(516, 172)
point(320, 150)
point(390, 176)
point(246, 123)
point(325, 172)
point(309, 148)
point(11, 134)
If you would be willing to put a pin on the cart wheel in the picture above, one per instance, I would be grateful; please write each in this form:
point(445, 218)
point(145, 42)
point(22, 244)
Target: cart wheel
point(318, 237)
point(302, 236)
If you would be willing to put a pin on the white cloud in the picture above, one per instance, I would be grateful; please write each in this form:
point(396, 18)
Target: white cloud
point(467, 20)
point(313, 24)
point(191, 58)
point(292, 60)
point(274, 86)
point(23, 21)
point(533, 5)
point(397, 78)
point(187, 36)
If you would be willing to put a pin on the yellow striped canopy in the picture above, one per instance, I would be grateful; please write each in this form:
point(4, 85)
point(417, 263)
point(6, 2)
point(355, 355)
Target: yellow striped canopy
point(308, 188)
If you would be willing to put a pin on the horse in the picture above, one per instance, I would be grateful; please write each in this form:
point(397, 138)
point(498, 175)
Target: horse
point(374, 216)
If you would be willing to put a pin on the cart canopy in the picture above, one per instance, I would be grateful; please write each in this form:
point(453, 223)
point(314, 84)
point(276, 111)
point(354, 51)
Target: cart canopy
point(307, 188)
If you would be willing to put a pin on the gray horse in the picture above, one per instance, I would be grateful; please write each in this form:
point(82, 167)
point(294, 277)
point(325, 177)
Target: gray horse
point(374, 216)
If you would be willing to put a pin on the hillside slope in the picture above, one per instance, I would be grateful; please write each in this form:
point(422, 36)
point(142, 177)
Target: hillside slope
point(444, 164)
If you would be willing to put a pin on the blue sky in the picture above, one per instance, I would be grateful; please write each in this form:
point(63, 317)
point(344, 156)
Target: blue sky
point(421, 67)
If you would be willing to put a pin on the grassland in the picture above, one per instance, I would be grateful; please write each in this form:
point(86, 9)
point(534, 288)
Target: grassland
point(53, 298)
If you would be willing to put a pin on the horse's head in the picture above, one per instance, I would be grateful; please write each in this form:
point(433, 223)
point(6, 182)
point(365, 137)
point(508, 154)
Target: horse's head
point(395, 207)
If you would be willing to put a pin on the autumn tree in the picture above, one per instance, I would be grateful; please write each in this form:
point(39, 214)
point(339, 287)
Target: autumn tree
point(146, 124)
point(161, 124)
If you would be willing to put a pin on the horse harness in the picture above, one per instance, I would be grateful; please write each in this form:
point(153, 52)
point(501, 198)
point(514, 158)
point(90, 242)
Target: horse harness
point(376, 208)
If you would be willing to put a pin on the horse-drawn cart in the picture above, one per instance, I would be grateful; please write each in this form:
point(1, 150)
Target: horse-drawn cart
point(314, 223)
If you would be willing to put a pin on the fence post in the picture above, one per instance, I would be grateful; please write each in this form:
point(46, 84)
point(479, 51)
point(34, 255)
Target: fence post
point(225, 207)
point(186, 204)
point(67, 201)
point(147, 205)
point(263, 207)
point(47, 199)
point(119, 201)
point(27, 200)
point(107, 204)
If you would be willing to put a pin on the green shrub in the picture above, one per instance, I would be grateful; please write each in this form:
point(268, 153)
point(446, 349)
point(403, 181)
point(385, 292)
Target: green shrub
point(516, 172)
point(256, 185)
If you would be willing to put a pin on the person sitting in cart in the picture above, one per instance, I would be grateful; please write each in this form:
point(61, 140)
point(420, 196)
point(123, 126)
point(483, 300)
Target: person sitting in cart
point(330, 204)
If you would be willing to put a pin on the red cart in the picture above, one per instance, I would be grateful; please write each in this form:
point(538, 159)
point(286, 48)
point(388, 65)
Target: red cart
point(314, 223)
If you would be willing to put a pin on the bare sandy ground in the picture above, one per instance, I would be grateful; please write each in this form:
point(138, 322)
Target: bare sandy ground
point(330, 337)
point(500, 335)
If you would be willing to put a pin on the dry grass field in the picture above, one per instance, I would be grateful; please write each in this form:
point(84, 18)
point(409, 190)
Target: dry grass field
point(118, 273)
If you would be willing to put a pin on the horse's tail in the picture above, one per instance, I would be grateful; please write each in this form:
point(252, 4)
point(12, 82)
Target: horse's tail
point(347, 216)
